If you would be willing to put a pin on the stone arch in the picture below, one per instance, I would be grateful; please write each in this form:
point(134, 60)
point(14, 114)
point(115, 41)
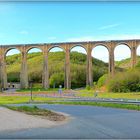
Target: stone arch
point(123, 43)
point(78, 65)
point(33, 47)
point(9, 49)
point(13, 75)
point(35, 66)
point(78, 45)
point(138, 49)
point(138, 54)
point(138, 44)
point(122, 51)
point(56, 61)
point(56, 46)
point(100, 44)
point(100, 52)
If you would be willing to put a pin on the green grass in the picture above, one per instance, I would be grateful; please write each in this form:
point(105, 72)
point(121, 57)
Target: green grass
point(101, 104)
point(90, 93)
point(24, 99)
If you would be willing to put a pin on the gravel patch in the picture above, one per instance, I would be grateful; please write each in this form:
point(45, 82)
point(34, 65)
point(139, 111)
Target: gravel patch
point(13, 120)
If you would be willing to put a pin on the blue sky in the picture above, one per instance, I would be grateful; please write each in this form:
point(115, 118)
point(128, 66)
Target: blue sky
point(45, 22)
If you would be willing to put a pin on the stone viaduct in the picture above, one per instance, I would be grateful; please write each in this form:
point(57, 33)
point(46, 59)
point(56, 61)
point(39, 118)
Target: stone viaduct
point(88, 46)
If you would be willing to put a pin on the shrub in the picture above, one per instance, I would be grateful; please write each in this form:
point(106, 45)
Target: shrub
point(88, 87)
point(125, 82)
point(102, 80)
point(57, 79)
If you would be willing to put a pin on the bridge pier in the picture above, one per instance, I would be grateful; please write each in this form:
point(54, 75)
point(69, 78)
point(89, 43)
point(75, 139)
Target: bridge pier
point(111, 62)
point(24, 73)
point(3, 73)
point(89, 73)
point(45, 75)
point(67, 80)
point(133, 56)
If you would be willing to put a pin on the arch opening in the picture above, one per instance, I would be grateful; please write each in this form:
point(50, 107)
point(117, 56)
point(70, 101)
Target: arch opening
point(100, 60)
point(78, 60)
point(56, 60)
point(138, 56)
point(35, 66)
point(122, 57)
point(13, 66)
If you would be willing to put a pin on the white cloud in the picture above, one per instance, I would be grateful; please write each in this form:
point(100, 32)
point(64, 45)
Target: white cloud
point(24, 32)
point(109, 26)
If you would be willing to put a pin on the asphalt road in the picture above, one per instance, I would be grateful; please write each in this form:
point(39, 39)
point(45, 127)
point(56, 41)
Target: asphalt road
point(87, 122)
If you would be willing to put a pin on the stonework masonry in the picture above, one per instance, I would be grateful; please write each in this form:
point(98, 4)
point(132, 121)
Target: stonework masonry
point(67, 46)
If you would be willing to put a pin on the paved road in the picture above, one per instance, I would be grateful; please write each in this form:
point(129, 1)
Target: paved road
point(87, 122)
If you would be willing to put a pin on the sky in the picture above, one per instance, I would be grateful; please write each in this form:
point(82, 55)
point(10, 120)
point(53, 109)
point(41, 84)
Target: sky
point(48, 22)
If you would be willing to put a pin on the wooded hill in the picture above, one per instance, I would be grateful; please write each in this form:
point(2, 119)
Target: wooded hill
point(56, 68)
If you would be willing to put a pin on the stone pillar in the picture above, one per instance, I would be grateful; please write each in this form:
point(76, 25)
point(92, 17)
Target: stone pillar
point(111, 62)
point(3, 73)
point(89, 75)
point(45, 75)
point(24, 72)
point(67, 69)
point(133, 56)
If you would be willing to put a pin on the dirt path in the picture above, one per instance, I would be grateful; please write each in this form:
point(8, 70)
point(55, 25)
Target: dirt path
point(13, 120)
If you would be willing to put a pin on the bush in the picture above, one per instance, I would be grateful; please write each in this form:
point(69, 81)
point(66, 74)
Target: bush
point(102, 80)
point(88, 87)
point(125, 82)
point(37, 85)
point(57, 79)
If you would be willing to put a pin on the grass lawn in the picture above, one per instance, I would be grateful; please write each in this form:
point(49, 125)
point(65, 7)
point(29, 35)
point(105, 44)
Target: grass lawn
point(90, 93)
point(102, 104)
point(24, 99)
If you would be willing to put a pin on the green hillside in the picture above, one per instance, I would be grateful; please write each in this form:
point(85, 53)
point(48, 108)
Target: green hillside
point(56, 68)
point(126, 63)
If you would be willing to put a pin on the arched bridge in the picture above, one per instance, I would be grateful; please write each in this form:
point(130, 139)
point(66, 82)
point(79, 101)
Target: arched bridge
point(67, 46)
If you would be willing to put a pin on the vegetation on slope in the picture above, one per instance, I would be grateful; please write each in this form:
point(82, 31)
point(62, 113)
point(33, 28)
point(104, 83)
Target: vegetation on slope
point(127, 80)
point(56, 68)
point(126, 63)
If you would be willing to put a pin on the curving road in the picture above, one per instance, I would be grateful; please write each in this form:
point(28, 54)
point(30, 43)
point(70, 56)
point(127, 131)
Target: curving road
point(87, 122)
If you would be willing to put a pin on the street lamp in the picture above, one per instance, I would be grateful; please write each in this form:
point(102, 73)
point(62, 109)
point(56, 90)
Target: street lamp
point(31, 85)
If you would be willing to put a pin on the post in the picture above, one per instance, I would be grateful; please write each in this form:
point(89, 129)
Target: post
point(45, 75)
point(89, 74)
point(111, 62)
point(24, 72)
point(67, 69)
point(133, 56)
